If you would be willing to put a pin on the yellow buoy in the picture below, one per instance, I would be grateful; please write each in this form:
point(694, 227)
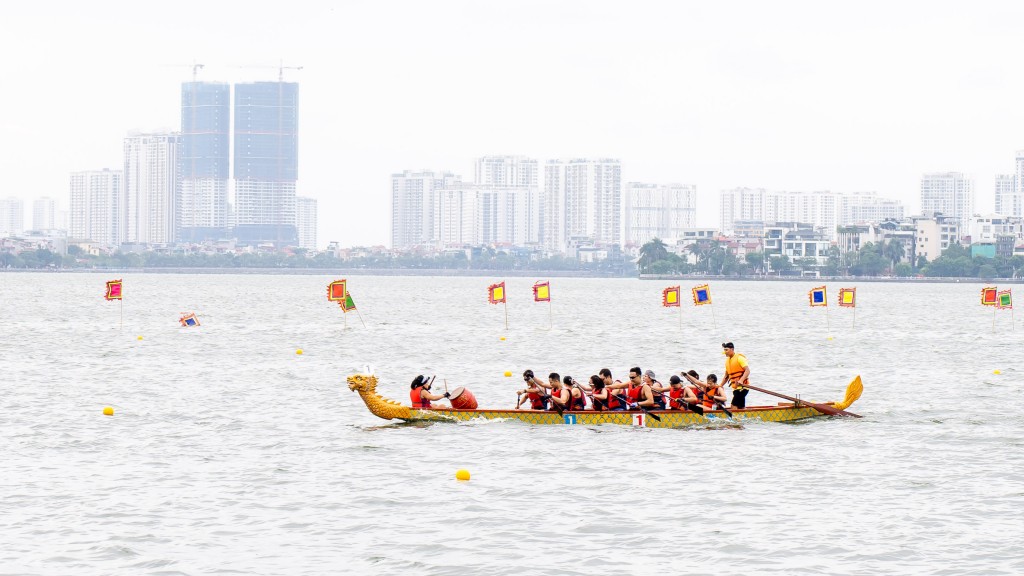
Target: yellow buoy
point(108, 411)
point(829, 337)
point(508, 374)
point(299, 351)
point(502, 338)
point(996, 372)
point(139, 338)
point(462, 475)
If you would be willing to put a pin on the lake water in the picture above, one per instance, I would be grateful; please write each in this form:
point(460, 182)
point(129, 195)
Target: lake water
point(230, 454)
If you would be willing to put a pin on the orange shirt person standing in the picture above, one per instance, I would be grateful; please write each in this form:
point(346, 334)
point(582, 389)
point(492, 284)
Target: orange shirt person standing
point(737, 371)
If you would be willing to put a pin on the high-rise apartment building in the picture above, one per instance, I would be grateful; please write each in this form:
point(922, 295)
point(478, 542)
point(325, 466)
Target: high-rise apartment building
point(948, 193)
point(203, 161)
point(506, 171)
point(266, 161)
point(1009, 201)
point(823, 210)
point(97, 206)
point(412, 206)
point(659, 211)
point(305, 221)
point(150, 188)
point(582, 200)
point(44, 213)
point(12, 216)
point(475, 214)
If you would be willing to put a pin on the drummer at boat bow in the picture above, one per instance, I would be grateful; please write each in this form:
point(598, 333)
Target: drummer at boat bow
point(421, 395)
point(737, 371)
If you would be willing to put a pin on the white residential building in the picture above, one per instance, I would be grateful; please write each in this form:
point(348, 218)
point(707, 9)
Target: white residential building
point(866, 207)
point(506, 171)
point(1009, 199)
point(659, 211)
point(412, 206)
point(948, 193)
point(44, 213)
point(150, 185)
point(305, 222)
point(582, 199)
point(97, 207)
point(12, 216)
point(740, 204)
point(934, 233)
point(823, 210)
point(989, 227)
point(474, 214)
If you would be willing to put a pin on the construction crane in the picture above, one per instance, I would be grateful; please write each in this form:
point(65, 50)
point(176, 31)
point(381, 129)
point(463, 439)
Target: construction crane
point(280, 69)
point(194, 65)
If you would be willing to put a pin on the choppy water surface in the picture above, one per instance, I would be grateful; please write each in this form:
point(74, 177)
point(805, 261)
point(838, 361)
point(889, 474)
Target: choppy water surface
point(230, 454)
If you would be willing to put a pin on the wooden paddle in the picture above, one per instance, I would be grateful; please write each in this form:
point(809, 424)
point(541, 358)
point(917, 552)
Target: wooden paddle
point(625, 401)
point(824, 409)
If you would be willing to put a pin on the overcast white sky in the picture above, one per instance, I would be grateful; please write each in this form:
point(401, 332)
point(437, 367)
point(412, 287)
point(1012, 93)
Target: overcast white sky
point(784, 95)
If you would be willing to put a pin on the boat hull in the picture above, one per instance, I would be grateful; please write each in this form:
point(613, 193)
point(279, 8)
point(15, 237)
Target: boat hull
point(366, 386)
point(669, 418)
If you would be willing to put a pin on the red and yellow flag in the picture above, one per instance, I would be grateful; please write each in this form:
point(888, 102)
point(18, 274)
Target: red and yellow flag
point(496, 293)
point(113, 290)
point(988, 296)
point(670, 296)
point(542, 292)
point(336, 291)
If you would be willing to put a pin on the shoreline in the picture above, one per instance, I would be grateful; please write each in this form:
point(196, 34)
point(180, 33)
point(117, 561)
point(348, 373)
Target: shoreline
point(414, 272)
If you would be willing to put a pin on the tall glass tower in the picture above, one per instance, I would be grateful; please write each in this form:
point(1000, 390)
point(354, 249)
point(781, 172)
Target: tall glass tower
point(202, 209)
point(266, 159)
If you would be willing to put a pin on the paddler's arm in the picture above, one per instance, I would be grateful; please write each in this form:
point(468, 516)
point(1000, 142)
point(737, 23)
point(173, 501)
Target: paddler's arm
point(648, 400)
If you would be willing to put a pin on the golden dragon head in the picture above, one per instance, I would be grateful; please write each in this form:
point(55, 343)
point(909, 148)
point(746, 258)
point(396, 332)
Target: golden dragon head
point(362, 383)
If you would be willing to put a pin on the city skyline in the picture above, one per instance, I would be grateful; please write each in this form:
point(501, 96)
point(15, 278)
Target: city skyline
point(773, 100)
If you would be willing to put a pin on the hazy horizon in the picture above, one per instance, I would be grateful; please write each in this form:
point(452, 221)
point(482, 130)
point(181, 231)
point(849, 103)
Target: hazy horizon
point(785, 96)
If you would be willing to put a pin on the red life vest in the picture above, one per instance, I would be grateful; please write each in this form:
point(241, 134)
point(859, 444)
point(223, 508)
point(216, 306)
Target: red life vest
point(677, 398)
point(418, 401)
point(613, 400)
point(633, 393)
point(558, 394)
point(536, 401)
point(577, 403)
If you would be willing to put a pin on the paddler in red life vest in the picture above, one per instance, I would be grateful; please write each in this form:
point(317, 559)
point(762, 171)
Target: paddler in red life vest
point(737, 371)
point(560, 396)
point(611, 388)
point(534, 392)
point(634, 390)
point(421, 395)
point(577, 399)
point(679, 395)
point(598, 395)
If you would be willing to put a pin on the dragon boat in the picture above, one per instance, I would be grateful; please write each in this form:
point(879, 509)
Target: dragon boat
point(366, 386)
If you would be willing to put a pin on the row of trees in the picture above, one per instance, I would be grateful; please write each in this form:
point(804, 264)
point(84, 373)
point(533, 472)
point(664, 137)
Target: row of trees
point(884, 258)
point(482, 259)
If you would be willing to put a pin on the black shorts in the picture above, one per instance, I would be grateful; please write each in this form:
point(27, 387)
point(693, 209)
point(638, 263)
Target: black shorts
point(739, 398)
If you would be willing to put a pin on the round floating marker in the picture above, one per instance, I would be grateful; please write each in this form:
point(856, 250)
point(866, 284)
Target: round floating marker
point(139, 338)
point(462, 475)
point(299, 351)
point(108, 411)
point(829, 337)
point(508, 374)
point(996, 372)
point(502, 338)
